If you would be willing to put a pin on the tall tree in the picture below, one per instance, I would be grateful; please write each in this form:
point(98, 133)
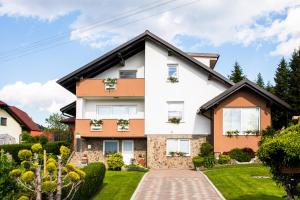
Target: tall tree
point(237, 73)
point(294, 86)
point(270, 87)
point(260, 81)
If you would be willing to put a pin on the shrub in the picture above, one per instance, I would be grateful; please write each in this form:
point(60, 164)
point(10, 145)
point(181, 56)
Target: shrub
point(53, 147)
point(239, 155)
point(134, 167)
point(206, 149)
point(115, 161)
point(95, 173)
point(223, 159)
point(249, 151)
point(198, 161)
point(209, 161)
point(283, 151)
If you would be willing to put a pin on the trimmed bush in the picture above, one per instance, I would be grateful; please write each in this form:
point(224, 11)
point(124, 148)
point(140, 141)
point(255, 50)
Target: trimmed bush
point(198, 161)
point(239, 155)
point(134, 167)
point(249, 151)
point(115, 161)
point(223, 159)
point(206, 149)
point(95, 173)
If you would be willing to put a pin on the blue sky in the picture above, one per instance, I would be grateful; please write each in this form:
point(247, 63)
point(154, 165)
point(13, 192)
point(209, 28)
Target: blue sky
point(255, 36)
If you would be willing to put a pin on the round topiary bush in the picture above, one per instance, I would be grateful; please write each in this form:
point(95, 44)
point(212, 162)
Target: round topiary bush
point(115, 161)
point(239, 155)
point(198, 161)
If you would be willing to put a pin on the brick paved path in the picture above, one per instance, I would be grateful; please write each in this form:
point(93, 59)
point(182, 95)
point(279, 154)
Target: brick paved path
point(175, 184)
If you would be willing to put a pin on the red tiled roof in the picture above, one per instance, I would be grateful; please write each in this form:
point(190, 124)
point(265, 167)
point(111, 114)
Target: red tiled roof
point(21, 117)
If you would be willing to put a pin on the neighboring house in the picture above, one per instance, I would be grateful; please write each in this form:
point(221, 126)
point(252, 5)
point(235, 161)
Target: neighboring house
point(158, 84)
point(12, 122)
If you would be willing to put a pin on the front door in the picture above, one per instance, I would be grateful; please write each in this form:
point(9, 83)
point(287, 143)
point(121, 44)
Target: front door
point(127, 151)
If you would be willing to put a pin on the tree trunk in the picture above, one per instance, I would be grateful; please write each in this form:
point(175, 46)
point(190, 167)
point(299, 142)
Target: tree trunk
point(59, 182)
point(37, 172)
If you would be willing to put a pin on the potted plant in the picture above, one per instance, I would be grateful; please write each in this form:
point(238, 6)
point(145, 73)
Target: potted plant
point(174, 120)
point(232, 132)
point(172, 153)
point(173, 79)
point(123, 125)
point(110, 83)
point(181, 153)
point(96, 124)
point(252, 132)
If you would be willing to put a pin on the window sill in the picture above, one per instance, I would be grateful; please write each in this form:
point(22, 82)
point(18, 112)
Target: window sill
point(96, 130)
point(175, 123)
point(169, 156)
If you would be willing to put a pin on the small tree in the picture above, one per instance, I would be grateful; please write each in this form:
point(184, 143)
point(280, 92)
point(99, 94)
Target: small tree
point(30, 177)
point(237, 73)
point(54, 125)
point(280, 153)
point(260, 81)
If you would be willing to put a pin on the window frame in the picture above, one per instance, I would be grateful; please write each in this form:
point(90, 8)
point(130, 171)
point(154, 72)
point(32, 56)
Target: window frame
point(112, 116)
point(241, 132)
point(129, 70)
point(104, 141)
point(176, 65)
point(5, 120)
point(178, 145)
point(176, 102)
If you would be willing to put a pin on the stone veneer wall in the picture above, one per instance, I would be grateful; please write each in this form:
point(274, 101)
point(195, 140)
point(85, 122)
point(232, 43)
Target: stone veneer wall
point(95, 154)
point(157, 157)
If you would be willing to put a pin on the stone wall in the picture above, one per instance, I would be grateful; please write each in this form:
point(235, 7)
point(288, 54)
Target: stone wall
point(157, 155)
point(95, 153)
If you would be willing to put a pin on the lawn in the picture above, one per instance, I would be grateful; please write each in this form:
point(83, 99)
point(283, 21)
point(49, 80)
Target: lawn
point(119, 185)
point(239, 182)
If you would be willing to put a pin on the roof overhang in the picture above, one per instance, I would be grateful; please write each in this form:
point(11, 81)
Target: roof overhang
point(69, 109)
point(244, 84)
point(126, 50)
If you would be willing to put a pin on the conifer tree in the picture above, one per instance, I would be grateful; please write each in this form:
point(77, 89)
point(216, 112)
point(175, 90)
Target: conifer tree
point(282, 75)
point(270, 87)
point(294, 86)
point(237, 73)
point(260, 81)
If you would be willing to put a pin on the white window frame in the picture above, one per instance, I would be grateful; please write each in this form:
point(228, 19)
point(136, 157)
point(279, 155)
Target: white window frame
point(128, 70)
point(178, 145)
point(111, 116)
point(104, 141)
point(174, 102)
point(241, 132)
point(176, 65)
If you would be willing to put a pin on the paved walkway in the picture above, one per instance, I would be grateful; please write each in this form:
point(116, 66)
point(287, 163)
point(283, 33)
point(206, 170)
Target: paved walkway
point(175, 184)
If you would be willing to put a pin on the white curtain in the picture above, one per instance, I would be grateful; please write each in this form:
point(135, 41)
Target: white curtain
point(115, 111)
point(250, 119)
point(172, 145)
point(175, 109)
point(184, 146)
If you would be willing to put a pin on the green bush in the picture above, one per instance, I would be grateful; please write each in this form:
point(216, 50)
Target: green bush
point(134, 167)
point(13, 149)
point(209, 161)
point(223, 159)
point(115, 161)
point(95, 173)
point(198, 161)
point(239, 155)
point(249, 151)
point(206, 149)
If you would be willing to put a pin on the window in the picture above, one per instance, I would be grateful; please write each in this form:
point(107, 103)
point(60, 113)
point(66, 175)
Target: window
point(128, 74)
point(175, 110)
point(116, 111)
point(3, 121)
point(173, 70)
point(178, 145)
point(110, 146)
point(243, 120)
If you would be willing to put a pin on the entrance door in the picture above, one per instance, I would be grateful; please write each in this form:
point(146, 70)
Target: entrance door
point(127, 151)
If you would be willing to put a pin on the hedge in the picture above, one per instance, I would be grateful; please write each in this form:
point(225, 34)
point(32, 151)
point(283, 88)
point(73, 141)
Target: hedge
point(95, 173)
point(13, 149)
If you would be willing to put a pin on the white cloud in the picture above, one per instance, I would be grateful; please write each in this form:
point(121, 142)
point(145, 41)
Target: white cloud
point(215, 21)
point(46, 97)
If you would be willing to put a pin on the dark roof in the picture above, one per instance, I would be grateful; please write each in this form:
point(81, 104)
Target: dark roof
point(125, 51)
point(22, 117)
point(69, 109)
point(70, 120)
point(240, 85)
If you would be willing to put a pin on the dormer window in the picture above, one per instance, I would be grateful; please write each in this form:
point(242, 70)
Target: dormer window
point(173, 73)
point(128, 74)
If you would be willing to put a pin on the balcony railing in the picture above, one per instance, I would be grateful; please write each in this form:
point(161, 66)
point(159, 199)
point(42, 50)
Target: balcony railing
point(110, 128)
point(124, 87)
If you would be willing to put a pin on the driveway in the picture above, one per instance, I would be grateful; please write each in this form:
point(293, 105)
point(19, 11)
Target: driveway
point(175, 184)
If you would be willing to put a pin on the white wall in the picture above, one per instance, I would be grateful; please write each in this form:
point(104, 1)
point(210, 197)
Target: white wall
point(90, 107)
point(193, 88)
point(13, 128)
point(205, 61)
point(136, 62)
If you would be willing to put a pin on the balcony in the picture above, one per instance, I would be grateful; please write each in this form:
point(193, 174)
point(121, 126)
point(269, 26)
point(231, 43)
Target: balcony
point(110, 129)
point(123, 88)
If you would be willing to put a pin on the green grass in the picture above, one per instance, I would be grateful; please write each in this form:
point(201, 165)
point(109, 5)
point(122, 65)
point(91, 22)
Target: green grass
point(119, 185)
point(237, 182)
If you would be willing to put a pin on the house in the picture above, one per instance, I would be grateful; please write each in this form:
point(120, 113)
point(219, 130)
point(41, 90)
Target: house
point(12, 122)
point(157, 104)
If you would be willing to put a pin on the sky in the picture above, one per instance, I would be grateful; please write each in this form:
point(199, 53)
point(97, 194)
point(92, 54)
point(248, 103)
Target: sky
point(41, 41)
